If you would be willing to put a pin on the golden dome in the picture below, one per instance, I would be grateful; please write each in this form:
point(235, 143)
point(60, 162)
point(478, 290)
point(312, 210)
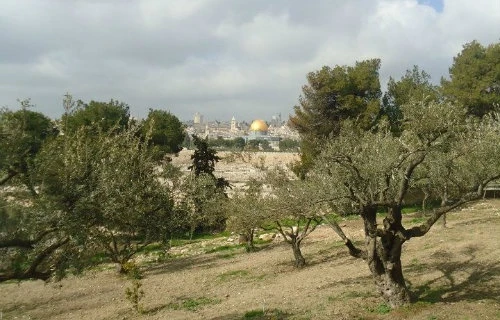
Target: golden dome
point(258, 125)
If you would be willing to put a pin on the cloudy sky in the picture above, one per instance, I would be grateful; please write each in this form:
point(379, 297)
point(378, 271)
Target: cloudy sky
point(222, 58)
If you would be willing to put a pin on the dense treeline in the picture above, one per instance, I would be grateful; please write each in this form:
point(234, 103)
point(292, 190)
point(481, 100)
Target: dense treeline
point(98, 183)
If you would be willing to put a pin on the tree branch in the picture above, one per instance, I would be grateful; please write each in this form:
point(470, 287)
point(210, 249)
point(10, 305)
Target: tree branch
point(11, 173)
point(353, 251)
point(403, 188)
point(23, 243)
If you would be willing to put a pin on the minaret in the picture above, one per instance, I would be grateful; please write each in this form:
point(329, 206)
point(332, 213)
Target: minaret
point(233, 125)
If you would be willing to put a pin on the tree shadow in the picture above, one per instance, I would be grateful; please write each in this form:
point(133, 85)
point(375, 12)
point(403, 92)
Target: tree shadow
point(467, 280)
point(274, 314)
point(187, 263)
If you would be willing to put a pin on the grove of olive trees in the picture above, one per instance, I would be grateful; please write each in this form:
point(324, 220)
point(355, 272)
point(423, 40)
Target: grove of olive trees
point(97, 186)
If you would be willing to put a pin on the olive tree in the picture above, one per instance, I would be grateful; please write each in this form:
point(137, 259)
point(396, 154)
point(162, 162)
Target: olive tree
point(115, 188)
point(292, 210)
point(104, 116)
point(95, 190)
point(22, 134)
point(201, 193)
point(374, 170)
point(246, 211)
point(200, 203)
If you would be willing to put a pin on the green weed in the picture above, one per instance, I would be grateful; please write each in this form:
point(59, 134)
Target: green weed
point(227, 247)
point(381, 309)
point(275, 314)
point(193, 304)
point(134, 294)
point(418, 220)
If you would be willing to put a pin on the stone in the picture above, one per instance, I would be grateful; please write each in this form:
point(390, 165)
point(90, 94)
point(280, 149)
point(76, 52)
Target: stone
point(267, 236)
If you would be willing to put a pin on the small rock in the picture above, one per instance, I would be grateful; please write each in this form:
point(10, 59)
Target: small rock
point(267, 236)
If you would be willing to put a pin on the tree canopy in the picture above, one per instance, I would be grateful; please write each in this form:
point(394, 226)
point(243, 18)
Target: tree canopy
point(22, 134)
point(475, 78)
point(164, 131)
point(103, 115)
point(332, 95)
point(414, 85)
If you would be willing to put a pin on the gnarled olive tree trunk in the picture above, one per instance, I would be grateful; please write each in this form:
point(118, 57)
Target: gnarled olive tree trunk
point(383, 253)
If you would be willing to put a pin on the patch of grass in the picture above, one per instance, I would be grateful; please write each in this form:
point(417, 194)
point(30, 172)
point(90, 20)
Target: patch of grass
point(275, 314)
point(411, 209)
point(181, 242)
point(183, 239)
point(226, 247)
point(226, 276)
point(153, 247)
point(416, 266)
point(192, 304)
point(418, 220)
point(381, 309)
point(211, 236)
point(99, 258)
point(253, 314)
point(227, 255)
point(259, 241)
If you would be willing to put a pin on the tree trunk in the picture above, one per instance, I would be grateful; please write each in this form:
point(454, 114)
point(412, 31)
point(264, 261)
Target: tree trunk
point(388, 275)
point(424, 201)
point(444, 201)
point(249, 241)
point(384, 256)
point(353, 251)
point(299, 258)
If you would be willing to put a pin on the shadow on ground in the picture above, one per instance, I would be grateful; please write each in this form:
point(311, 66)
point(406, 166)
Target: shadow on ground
point(459, 281)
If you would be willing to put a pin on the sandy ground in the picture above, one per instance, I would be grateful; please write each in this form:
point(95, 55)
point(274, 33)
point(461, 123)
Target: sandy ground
point(454, 271)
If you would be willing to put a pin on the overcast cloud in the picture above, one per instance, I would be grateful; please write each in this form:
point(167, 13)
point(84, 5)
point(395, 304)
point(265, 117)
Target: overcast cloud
point(221, 58)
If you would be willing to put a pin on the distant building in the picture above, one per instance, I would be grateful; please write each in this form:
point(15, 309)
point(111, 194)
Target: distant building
point(272, 131)
point(259, 131)
point(234, 125)
point(198, 118)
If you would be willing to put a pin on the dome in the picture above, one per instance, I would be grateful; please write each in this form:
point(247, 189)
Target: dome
point(258, 125)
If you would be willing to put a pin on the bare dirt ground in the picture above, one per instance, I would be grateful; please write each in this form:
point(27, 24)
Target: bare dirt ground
point(454, 271)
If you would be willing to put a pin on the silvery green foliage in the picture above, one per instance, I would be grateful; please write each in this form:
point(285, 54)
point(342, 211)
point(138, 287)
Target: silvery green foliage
point(246, 210)
point(438, 146)
point(199, 201)
point(96, 191)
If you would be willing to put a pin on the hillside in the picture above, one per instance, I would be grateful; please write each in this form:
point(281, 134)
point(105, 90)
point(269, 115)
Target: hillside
point(455, 272)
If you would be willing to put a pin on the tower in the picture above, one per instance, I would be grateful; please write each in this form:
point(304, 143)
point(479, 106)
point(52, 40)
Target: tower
point(234, 128)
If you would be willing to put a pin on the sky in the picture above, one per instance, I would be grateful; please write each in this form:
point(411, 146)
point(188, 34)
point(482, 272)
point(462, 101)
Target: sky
point(221, 58)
